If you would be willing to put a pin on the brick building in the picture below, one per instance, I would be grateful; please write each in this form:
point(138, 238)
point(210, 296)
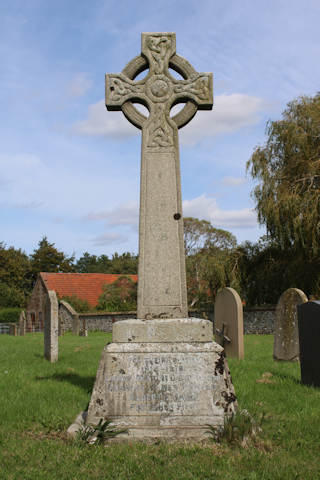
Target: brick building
point(87, 286)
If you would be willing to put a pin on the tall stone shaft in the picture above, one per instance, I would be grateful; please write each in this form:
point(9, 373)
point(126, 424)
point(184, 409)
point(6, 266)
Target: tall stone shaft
point(162, 291)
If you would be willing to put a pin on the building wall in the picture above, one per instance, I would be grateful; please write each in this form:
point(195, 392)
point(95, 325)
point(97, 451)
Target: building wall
point(35, 308)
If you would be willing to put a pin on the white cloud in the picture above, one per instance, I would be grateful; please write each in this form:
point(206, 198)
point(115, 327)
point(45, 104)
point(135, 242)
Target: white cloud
point(207, 208)
point(122, 215)
point(230, 113)
point(233, 181)
point(79, 85)
point(99, 122)
point(108, 238)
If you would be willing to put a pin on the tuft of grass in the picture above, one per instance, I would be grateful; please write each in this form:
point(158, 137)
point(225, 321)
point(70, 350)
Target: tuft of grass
point(95, 434)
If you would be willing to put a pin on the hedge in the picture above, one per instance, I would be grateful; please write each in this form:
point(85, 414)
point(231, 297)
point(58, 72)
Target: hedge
point(9, 315)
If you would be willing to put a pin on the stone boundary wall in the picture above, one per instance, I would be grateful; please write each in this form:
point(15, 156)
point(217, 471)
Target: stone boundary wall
point(255, 320)
point(103, 321)
point(259, 320)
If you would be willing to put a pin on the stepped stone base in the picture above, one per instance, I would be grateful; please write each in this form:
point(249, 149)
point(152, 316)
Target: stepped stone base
point(163, 389)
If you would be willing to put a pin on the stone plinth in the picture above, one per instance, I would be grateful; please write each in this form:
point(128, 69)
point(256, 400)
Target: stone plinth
point(163, 388)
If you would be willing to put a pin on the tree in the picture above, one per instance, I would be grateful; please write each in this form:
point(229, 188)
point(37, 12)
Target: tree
point(211, 261)
point(47, 258)
point(287, 168)
point(126, 263)
point(15, 277)
point(93, 264)
point(119, 296)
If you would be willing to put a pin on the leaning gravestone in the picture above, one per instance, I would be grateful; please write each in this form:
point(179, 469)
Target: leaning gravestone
point(309, 339)
point(286, 336)
point(162, 376)
point(228, 322)
point(51, 327)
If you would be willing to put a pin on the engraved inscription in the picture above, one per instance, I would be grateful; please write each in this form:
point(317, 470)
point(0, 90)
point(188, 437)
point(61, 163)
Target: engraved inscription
point(165, 383)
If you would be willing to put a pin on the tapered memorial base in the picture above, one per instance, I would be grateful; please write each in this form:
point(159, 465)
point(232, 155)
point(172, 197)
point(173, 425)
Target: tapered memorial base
point(162, 378)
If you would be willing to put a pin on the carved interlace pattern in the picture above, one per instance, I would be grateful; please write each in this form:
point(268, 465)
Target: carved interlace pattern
point(198, 87)
point(119, 88)
point(159, 47)
point(160, 133)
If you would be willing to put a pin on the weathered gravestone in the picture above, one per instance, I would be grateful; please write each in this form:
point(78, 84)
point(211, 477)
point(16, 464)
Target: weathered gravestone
point(309, 339)
point(22, 323)
point(51, 326)
point(162, 376)
point(228, 322)
point(286, 336)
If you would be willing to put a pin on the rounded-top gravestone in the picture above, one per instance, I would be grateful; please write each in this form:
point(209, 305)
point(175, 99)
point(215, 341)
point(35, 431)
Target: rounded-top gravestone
point(286, 336)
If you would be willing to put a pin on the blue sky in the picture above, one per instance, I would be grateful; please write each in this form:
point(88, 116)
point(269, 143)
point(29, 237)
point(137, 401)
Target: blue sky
point(69, 169)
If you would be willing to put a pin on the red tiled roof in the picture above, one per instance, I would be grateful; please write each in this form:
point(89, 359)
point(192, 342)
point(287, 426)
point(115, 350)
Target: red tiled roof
point(87, 286)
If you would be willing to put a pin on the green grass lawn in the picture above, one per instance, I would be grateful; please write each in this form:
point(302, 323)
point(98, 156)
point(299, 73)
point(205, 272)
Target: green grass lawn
point(40, 400)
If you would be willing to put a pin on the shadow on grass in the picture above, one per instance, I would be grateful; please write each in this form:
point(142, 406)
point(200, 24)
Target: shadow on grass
point(86, 383)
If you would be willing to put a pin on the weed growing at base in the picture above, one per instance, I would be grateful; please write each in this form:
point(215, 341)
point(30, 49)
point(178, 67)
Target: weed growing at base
point(40, 400)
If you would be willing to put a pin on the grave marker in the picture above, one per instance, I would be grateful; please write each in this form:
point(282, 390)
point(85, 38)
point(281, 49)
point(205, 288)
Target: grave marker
point(162, 376)
point(228, 322)
point(286, 336)
point(51, 326)
point(309, 339)
point(22, 323)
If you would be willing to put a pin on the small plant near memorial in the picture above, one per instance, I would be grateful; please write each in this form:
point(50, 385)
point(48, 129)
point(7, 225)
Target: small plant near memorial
point(97, 434)
point(239, 429)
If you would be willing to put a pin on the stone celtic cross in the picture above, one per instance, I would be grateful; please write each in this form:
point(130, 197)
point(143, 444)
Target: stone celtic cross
point(162, 291)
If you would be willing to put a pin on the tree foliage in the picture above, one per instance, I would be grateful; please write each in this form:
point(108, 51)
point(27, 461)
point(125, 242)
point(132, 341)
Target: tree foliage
point(79, 304)
point(15, 277)
point(119, 296)
point(126, 263)
point(47, 258)
point(287, 168)
point(211, 262)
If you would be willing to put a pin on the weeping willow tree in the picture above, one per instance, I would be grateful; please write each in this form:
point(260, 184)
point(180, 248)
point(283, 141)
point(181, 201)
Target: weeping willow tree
point(287, 171)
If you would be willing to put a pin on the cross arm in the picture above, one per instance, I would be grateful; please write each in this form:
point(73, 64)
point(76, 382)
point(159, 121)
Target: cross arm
point(198, 88)
point(120, 89)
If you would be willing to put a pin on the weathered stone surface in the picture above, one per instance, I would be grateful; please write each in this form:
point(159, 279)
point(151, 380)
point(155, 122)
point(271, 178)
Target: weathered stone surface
point(162, 291)
point(228, 318)
point(162, 389)
point(22, 323)
point(163, 330)
point(51, 325)
point(286, 337)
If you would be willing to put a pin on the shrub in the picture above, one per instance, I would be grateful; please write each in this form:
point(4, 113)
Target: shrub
point(80, 305)
point(9, 315)
point(11, 296)
point(119, 296)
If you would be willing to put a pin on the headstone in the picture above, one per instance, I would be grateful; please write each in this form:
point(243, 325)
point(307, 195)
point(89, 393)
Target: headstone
point(228, 322)
point(309, 339)
point(286, 336)
point(162, 376)
point(13, 329)
point(51, 327)
point(22, 323)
